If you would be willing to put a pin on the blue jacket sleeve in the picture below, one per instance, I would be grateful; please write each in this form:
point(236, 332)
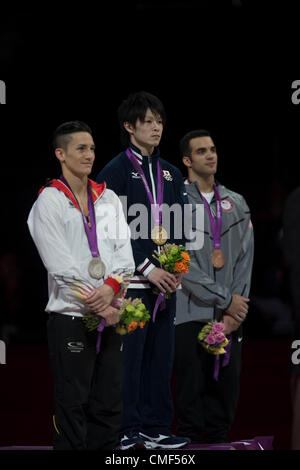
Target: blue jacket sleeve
point(114, 175)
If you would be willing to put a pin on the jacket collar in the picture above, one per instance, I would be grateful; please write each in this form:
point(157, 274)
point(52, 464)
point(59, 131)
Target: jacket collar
point(141, 158)
point(96, 189)
point(192, 189)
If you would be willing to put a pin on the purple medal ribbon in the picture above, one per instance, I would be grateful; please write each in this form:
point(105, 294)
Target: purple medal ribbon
point(225, 360)
point(100, 329)
point(216, 225)
point(160, 301)
point(155, 208)
point(91, 232)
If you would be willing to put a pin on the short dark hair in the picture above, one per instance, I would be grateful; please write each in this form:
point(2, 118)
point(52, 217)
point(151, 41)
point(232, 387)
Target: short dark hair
point(184, 145)
point(134, 107)
point(62, 135)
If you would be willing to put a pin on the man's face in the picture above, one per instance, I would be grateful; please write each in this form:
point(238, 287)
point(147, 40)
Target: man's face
point(146, 133)
point(204, 159)
point(79, 155)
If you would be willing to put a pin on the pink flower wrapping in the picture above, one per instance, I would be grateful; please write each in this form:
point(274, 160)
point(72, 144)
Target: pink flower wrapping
point(218, 327)
point(220, 337)
point(210, 339)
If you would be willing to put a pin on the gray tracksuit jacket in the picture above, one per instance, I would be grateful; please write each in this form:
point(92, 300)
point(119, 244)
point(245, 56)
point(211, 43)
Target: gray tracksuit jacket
point(206, 291)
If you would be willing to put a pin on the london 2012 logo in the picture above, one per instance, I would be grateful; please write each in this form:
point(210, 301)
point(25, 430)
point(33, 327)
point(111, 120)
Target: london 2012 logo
point(2, 92)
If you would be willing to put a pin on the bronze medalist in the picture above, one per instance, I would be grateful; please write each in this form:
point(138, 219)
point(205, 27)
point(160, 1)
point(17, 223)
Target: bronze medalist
point(218, 258)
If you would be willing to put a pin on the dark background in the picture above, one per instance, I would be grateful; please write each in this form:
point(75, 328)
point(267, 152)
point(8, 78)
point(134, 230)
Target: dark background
point(222, 66)
point(215, 65)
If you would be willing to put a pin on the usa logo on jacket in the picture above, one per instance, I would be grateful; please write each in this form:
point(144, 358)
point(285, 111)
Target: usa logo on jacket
point(226, 205)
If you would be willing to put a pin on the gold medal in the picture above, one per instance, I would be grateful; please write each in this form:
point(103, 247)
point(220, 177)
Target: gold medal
point(218, 258)
point(159, 235)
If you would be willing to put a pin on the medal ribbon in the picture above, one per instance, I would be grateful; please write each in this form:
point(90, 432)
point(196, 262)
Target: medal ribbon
point(225, 360)
point(155, 208)
point(160, 301)
point(216, 225)
point(100, 329)
point(91, 233)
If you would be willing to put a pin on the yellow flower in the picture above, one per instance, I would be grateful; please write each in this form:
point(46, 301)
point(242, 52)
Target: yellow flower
point(121, 330)
point(225, 342)
point(222, 351)
point(163, 259)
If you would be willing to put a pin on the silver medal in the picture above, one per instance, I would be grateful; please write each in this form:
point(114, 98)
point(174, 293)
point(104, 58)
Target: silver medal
point(96, 268)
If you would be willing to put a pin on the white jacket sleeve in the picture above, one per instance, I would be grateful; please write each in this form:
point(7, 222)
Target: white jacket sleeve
point(123, 261)
point(47, 229)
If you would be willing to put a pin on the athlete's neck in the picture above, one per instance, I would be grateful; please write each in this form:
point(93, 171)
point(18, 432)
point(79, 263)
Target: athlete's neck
point(146, 150)
point(78, 184)
point(205, 183)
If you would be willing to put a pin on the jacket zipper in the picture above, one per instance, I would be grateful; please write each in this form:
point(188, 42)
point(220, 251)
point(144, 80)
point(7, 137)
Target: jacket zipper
point(214, 215)
point(153, 188)
point(152, 179)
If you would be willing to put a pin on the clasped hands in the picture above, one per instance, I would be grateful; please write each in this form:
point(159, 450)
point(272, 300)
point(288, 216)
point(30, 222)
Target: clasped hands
point(236, 313)
point(99, 301)
point(165, 281)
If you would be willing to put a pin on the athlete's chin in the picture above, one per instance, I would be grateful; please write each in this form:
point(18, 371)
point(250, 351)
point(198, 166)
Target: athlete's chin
point(83, 174)
point(211, 172)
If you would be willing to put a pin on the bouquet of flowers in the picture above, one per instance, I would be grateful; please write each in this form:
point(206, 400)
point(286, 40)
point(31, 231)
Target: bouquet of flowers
point(212, 338)
point(173, 258)
point(133, 314)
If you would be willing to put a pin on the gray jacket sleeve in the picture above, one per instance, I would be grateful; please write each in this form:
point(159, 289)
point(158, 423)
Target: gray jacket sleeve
point(206, 289)
point(243, 267)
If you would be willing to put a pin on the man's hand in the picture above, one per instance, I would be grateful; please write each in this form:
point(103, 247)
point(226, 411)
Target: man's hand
point(178, 279)
point(230, 324)
point(100, 298)
point(111, 316)
point(166, 282)
point(238, 308)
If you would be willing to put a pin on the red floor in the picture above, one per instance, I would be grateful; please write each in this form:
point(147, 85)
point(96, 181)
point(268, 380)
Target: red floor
point(264, 407)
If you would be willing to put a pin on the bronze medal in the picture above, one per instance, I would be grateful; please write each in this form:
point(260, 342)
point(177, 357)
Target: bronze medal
point(159, 235)
point(218, 258)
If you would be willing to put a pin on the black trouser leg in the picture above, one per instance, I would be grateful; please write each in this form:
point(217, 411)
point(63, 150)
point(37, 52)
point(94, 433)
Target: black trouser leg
point(221, 397)
point(105, 403)
point(148, 355)
point(189, 380)
point(204, 404)
point(72, 355)
point(87, 397)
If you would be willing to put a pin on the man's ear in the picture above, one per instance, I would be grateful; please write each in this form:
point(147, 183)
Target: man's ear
point(60, 154)
point(128, 127)
point(187, 161)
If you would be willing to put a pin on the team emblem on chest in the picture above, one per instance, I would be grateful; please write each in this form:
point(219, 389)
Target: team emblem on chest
point(167, 175)
point(226, 205)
